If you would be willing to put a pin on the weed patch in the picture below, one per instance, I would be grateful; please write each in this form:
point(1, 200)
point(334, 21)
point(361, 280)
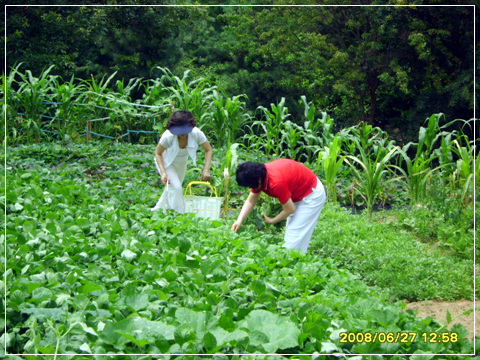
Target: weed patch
point(391, 258)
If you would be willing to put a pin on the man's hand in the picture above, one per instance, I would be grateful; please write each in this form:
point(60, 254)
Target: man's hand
point(268, 220)
point(288, 209)
point(236, 225)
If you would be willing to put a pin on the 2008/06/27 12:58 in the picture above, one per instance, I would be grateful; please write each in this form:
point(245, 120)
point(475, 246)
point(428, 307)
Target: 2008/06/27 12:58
point(402, 337)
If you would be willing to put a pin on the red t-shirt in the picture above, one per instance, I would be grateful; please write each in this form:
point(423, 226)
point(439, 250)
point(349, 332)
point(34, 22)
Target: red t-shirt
point(288, 179)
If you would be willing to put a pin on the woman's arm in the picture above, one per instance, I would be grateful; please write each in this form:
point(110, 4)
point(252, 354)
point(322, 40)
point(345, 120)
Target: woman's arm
point(246, 210)
point(208, 160)
point(159, 159)
point(288, 209)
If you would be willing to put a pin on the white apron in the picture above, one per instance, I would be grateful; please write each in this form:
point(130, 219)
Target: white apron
point(172, 197)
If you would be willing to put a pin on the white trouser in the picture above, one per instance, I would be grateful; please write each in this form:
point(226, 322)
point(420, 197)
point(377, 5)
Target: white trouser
point(172, 197)
point(301, 224)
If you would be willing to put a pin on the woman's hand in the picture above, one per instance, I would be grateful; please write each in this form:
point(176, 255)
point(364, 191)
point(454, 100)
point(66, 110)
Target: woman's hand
point(165, 179)
point(208, 159)
point(205, 175)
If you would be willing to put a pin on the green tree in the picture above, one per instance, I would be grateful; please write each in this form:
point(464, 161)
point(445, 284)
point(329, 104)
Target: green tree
point(363, 63)
point(98, 40)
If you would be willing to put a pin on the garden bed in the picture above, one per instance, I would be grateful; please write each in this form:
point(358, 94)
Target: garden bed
point(92, 270)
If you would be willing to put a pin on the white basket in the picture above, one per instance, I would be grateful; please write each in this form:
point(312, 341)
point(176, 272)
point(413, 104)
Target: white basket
point(203, 206)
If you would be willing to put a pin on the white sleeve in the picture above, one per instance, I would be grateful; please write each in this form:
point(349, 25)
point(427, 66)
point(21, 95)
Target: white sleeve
point(199, 136)
point(166, 139)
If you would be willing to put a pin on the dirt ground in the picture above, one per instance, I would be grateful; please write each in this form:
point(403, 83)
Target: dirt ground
point(438, 310)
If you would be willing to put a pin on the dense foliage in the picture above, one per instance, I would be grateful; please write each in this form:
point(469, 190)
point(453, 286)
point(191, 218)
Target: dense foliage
point(92, 271)
point(386, 65)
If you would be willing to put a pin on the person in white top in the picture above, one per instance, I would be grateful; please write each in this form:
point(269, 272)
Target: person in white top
point(177, 143)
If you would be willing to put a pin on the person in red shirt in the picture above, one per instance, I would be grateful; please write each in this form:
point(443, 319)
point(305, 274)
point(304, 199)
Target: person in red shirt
point(298, 189)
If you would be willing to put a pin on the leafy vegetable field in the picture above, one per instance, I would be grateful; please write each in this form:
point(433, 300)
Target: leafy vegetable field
point(91, 270)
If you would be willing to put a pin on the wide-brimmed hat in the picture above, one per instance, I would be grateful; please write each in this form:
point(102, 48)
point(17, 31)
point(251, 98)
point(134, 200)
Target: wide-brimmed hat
point(180, 129)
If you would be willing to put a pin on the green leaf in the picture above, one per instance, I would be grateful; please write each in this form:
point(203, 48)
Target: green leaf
point(184, 333)
point(136, 327)
point(258, 286)
point(137, 302)
point(385, 317)
point(280, 332)
point(89, 287)
point(418, 355)
point(137, 339)
point(449, 317)
point(43, 314)
point(128, 255)
point(209, 341)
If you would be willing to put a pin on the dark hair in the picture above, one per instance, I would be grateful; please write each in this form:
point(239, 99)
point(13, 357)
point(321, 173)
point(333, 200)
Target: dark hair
point(249, 173)
point(181, 117)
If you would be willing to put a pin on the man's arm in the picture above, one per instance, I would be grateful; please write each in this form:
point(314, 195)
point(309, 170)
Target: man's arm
point(288, 209)
point(246, 210)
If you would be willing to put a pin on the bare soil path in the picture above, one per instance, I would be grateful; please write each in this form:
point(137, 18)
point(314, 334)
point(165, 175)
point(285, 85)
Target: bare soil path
point(438, 310)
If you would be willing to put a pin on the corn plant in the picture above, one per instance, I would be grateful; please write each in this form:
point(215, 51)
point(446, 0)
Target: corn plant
point(223, 175)
point(310, 125)
point(192, 95)
point(97, 103)
point(11, 105)
point(429, 136)
point(68, 95)
point(330, 161)
point(155, 99)
point(291, 136)
point(227, 117)
point(229, 165)
point(467, 171)
point(418, 170)
point(417, 173)
point(272, 126)
point(371, 167)
point(121, 104)
point(33, 93)
point(318, 130)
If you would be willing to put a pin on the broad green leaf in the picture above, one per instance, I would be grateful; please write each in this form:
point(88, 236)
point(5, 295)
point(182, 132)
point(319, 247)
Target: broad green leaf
point(43, 313)
point(328, 347)
point(137, 302)
point(136, 327)
point(89, 287)
point(128, 255)
point(184, 333)
point(385, 317)
point(281, 332)
point(85, 348)
point(418, 355)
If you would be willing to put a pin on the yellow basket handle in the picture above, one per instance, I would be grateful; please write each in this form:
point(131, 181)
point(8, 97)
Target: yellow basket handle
point(189, 186)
